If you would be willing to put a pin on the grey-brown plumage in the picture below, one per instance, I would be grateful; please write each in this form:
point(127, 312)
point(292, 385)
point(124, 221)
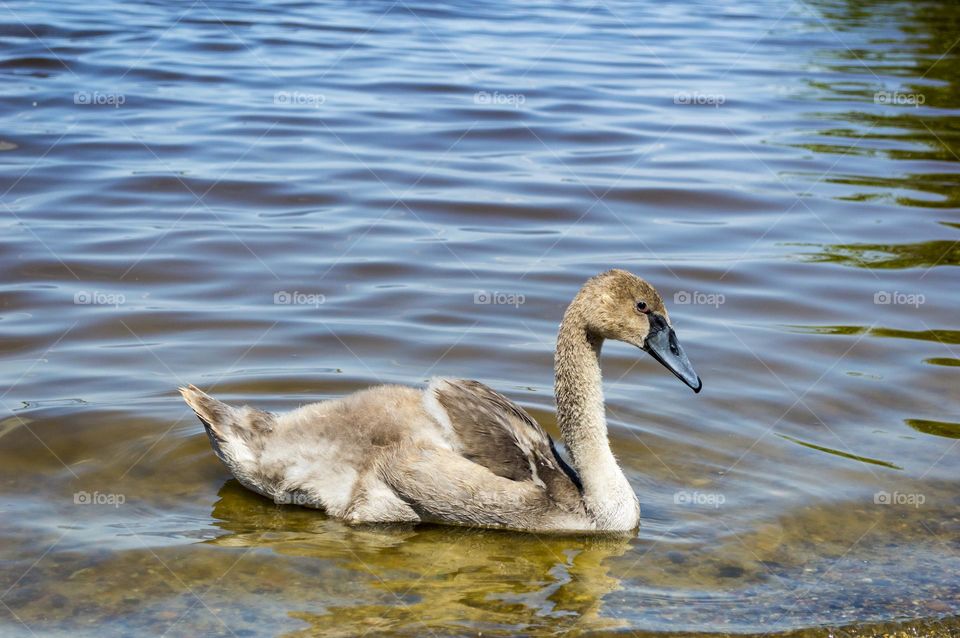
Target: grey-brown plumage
point(496, 433)
point(457, 451)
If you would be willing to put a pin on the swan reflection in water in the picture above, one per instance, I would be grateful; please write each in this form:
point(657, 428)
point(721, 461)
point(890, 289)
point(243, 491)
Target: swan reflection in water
point(345, 580)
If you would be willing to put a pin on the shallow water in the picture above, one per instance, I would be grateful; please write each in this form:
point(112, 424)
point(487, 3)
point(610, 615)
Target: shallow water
point(283, 203)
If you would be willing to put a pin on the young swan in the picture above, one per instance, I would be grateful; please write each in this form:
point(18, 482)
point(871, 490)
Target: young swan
point(458, 452)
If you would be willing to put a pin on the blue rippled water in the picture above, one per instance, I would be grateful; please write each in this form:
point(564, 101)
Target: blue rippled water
point(286, 201)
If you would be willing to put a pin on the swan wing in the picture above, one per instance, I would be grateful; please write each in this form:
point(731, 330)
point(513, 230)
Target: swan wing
point(490, 430)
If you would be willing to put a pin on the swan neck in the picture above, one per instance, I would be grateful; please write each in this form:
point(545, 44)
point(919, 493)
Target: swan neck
point(582, 419)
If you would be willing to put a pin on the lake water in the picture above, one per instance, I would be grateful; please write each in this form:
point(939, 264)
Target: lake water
point(284, 202)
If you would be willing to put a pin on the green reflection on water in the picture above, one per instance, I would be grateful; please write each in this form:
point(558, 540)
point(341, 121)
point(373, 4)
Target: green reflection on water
point(943, 361)
point(926, 254)
point(846, 455)
point(911, 52)
point(441, 579)
point(937, 335)
point(936, 428)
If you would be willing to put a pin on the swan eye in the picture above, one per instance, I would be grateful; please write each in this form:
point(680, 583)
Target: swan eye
point(642, 306)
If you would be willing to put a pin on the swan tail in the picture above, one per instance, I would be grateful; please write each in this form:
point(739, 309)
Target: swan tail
point(235, 433)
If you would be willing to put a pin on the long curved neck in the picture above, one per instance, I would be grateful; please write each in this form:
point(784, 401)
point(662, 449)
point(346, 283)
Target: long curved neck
point(583, 425)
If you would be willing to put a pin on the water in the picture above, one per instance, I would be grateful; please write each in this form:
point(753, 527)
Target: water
point(285, 202)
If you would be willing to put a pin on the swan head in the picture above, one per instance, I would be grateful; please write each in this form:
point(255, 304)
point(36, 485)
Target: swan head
point(619, 305)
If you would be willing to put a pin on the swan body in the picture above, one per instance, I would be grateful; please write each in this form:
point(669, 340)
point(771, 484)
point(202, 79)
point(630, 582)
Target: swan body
point(458, 452)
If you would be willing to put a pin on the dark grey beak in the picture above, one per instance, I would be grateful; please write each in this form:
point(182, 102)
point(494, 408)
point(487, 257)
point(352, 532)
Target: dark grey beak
point(662, 344)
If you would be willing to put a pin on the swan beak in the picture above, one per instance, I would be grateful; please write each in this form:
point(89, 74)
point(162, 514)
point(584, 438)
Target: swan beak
point(663, 346)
